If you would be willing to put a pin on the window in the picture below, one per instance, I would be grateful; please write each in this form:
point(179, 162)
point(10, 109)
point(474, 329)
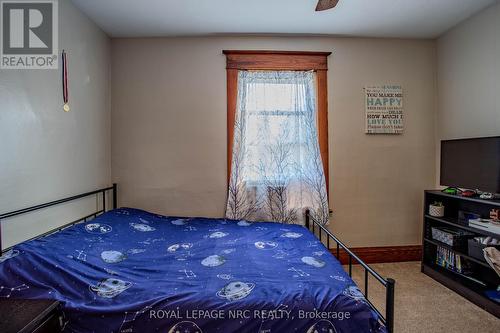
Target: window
point(277, 135)
point(273, 134)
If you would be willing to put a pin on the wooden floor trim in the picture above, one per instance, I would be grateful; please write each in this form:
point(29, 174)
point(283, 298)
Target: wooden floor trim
point(382, 254)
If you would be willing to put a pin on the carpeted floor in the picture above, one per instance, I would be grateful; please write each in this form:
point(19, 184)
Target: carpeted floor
point(424, 305)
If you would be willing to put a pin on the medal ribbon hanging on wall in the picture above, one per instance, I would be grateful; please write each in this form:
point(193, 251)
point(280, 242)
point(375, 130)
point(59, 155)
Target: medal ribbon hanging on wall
point(65, 81)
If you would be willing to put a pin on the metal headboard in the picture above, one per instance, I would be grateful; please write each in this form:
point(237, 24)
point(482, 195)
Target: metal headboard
point(102, 191)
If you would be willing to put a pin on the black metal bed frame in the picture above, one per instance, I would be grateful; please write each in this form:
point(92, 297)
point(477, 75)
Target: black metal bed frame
point(387, 320)
point(102, 191)
point(388, 283)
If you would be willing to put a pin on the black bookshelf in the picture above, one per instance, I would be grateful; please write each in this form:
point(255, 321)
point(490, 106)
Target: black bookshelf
point(479, 277)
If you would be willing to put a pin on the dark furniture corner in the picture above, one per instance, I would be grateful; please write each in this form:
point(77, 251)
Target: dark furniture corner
point(30, 316)
point(466, 283)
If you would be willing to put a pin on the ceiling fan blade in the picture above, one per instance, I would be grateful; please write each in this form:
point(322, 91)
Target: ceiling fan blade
point(326, 4)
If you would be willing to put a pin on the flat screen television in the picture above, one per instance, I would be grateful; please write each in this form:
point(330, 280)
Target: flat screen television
point(471, 163)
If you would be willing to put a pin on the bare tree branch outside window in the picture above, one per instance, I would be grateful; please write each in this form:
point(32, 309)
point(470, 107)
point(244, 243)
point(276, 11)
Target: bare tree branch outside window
point(277, 171)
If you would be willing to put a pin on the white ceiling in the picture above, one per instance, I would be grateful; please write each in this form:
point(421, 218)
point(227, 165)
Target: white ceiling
point(367, 18)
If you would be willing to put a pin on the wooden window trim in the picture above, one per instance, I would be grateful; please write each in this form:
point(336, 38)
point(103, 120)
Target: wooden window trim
point(278, 60)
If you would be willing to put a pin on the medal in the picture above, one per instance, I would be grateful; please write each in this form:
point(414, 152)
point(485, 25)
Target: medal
point(65, 81)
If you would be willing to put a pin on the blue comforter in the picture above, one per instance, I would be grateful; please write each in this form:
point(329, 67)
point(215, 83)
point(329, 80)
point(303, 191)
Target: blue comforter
point(133, 271)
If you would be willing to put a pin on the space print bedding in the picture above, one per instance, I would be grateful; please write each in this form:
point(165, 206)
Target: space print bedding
point(133, 271)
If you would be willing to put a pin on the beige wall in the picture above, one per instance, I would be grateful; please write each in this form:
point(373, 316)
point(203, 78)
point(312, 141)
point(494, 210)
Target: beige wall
point(469, 77)
point(468, 62)
point(468, 59)
point(169, 129)
point(46, 153)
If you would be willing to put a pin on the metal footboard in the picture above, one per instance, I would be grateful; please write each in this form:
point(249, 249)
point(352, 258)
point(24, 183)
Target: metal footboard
point(388, 283)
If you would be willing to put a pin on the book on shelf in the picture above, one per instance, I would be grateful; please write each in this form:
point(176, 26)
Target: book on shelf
point(448, 259)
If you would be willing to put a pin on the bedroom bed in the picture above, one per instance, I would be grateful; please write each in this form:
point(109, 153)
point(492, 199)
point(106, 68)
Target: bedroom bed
point(128, 270)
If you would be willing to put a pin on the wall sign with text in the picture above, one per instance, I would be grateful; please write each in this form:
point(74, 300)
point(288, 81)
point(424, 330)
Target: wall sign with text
point(384, 110)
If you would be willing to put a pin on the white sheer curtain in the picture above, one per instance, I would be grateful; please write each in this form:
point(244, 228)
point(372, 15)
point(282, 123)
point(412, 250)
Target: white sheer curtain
point(276, 170)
